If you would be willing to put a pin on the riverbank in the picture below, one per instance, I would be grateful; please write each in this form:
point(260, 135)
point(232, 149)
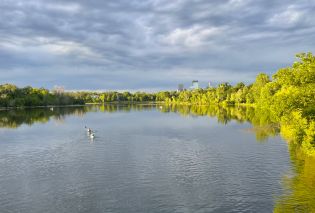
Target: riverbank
point(40, 107)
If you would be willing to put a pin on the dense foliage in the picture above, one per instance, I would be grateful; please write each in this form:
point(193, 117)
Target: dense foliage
point(113, 96)
point(12, 96)
point(289, 98)
point(290, 89)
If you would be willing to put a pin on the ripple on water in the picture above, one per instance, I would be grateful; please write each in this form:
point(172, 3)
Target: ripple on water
point(139, 164)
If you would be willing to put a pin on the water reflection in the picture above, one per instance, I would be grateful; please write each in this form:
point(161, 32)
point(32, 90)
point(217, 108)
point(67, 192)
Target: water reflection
point(15, 118)
point(263, 125)
point(262, 122)
point(298, 187)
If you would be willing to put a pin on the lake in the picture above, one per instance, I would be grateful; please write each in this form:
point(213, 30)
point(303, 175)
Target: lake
point(147, 158)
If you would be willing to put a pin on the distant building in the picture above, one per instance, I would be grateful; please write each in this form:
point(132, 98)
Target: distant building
point(209, 85)
point(180, 87)
point(58, 89)
point(194, 84)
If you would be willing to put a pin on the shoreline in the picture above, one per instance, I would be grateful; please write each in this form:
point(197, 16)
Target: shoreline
point(75, 105)
point(124, 102)
point(39, 107)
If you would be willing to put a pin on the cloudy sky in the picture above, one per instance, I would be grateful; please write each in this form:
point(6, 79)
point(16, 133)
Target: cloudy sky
point(149, 44)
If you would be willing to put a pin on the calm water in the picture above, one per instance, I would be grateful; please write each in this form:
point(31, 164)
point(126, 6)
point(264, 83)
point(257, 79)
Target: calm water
point(143, 159)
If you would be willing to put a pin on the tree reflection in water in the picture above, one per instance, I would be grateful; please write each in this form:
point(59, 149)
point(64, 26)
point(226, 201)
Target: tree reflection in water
point(299, 187)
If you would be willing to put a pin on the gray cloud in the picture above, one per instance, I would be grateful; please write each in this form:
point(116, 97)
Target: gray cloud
point(152, 44)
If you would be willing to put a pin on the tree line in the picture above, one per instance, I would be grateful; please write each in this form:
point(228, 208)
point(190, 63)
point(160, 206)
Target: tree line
point(288, 97)
point(12, 96)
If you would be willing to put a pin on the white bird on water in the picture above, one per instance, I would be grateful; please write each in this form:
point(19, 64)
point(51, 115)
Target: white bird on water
point(92, 135)
point(90, 132)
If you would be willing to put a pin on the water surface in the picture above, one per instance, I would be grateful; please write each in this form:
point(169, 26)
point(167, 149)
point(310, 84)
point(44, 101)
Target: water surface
point(143, 159)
